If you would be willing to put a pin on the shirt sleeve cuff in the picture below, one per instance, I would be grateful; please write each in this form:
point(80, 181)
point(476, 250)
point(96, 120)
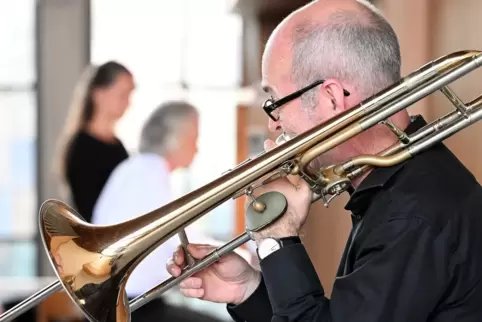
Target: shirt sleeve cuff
point(289, 274)
point(256, 308)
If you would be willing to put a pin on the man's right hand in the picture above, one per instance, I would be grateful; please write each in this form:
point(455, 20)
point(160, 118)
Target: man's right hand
point(229, 280)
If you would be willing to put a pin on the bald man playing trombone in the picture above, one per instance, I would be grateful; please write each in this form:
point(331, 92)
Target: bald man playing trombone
point(412, 255)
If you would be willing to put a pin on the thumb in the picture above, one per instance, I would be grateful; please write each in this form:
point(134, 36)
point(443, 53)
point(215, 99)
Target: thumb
point(269, 145)
point(199, 251)
point(296, 180)
point(303, 186)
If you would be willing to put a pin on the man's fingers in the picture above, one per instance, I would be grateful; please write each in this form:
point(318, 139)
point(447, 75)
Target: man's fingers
point(179, 256)
point(192, 292)
point(295, 180)
point(199, 251)
point(192, 282)
point(172, 268)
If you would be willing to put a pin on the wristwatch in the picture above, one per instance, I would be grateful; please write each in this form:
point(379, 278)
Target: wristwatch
point(270, 245)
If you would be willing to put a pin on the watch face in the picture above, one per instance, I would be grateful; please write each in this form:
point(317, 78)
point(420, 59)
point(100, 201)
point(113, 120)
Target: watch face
point(267, 247)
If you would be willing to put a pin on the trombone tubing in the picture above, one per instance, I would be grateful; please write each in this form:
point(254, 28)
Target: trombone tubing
point(439, 124)
point(426, 137)
point(424, 82)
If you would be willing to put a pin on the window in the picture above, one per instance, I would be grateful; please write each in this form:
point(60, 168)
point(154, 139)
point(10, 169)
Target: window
point(175, 52)
point(18, 136)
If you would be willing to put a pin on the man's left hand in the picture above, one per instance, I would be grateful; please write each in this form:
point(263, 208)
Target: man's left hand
point(298, 195)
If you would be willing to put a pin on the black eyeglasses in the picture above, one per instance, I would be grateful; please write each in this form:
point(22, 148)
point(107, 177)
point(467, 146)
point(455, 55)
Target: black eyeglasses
point(270, 105)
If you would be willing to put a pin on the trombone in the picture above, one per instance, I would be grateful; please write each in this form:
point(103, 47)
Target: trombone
point(93, 263)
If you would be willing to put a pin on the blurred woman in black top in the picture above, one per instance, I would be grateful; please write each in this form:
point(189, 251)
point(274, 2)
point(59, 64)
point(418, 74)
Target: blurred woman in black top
point(89, 148)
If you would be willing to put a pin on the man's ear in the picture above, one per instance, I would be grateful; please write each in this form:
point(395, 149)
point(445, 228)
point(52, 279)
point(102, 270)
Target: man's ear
point(335, 93)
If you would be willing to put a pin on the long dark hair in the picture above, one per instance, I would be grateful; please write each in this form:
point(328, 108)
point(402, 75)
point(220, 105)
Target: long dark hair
point(82, 110)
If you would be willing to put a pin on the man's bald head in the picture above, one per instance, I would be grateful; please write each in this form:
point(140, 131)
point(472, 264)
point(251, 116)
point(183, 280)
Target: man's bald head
point(348, 40)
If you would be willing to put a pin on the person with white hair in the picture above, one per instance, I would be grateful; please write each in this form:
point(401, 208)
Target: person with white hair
point(141, 184)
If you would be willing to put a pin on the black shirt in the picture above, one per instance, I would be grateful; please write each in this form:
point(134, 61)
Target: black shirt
point(90, 162)
point(414, 253)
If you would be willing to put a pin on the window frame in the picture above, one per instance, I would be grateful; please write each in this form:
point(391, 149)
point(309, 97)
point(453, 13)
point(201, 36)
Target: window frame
point(32, 88)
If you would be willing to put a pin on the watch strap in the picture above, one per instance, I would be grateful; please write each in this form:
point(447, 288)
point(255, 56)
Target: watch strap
point(287, 241)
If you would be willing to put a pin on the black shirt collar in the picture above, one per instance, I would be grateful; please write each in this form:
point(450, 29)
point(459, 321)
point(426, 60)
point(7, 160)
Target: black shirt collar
point(361, 197)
